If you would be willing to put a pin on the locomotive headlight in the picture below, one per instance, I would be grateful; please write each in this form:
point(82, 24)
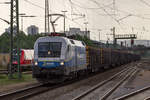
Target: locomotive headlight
point(36, 63)
point(61, 63)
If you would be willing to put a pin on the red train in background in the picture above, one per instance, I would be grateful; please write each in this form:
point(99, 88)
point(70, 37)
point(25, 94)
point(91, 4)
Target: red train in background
point(26, 58)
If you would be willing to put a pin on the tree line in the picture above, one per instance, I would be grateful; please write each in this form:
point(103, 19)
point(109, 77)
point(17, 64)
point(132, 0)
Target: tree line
point(25, 41)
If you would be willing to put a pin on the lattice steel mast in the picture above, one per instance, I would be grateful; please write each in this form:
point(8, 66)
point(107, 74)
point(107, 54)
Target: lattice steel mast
point(47, 26)
point(14, 30)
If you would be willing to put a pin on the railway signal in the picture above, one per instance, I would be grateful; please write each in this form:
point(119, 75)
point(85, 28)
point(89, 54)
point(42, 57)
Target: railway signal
point(126, 36)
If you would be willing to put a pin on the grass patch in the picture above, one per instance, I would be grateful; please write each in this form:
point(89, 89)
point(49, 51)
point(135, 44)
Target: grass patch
point(4, 79)
point(3, 67)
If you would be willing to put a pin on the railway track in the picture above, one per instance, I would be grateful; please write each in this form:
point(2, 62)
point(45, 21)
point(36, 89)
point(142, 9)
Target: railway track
point(6, 72)
point(134, 94)
point(148, 98)
point(120, 77)
point(3, 71)
point(28, 92)
point(18, 93)
point(27, 72)
point(38, 89)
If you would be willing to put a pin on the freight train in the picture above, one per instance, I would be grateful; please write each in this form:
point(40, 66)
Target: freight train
point(26, 58)
point(59, 58)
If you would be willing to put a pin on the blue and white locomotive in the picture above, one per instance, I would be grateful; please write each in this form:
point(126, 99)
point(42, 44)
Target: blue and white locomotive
point(58, 58)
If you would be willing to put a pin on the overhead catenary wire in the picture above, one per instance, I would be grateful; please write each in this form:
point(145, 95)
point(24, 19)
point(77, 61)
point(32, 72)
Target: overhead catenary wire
point(76, 12)
point(50, 11)
point(75, 4)
point(139, 16)
point(108, 6)
point(108, 14)
point(129, 13)
point(145, 3)
point(73, 8)
point(100, 6)
point(135, 15)
point(75, 22)
point(34, 4)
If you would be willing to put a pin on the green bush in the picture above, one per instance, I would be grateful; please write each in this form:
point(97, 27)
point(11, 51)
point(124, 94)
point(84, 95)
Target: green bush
point(25, 41)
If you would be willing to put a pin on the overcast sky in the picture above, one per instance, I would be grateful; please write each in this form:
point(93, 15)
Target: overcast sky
point(132, 16)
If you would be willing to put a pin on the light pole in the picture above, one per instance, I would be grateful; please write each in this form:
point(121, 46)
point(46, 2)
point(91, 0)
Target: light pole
point(99, 34)
point(100, 37)
point(47, 26)
point(86, 28)
point(24, 16)
point(64, 19)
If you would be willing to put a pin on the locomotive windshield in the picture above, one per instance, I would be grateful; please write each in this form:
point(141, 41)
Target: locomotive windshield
point(49, 49)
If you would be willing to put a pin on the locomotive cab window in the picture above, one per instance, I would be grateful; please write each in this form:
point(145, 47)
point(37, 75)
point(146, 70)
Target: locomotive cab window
point(49, 49)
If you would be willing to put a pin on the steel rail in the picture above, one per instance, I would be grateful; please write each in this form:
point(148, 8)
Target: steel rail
point(27, 92)
point(11, 94)
point(6, 72)
point(3, 71)
point(24, 97)
point(109, 92)
point(133, 93)
point(52, 87)
point(148, 98)
point(99, 85)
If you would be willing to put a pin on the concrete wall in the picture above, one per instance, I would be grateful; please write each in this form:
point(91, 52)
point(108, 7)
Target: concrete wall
point(4, 60)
